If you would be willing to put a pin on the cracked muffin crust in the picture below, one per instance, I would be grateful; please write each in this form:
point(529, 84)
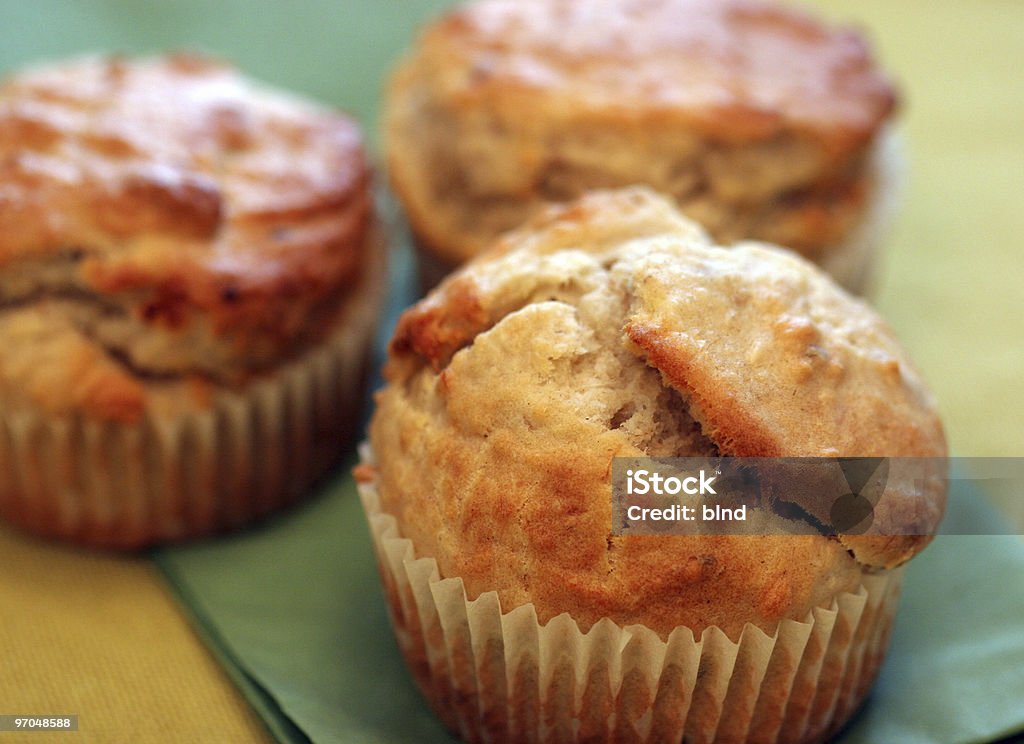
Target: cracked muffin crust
point(613, 327)
point(174, 236)
point(760, 121)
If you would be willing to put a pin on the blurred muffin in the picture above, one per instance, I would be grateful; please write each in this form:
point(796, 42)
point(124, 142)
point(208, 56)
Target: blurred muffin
point(612, 327)
point(760, 121)
point(189, 277)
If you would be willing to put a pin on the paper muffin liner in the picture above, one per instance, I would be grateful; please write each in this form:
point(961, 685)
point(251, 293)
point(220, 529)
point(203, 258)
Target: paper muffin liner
point(853, 262)
point(494, 676)
point(208, 469)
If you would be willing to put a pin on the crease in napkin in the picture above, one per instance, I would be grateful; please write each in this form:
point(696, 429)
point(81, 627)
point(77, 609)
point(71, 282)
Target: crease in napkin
point(279, 725)
point(295, 609)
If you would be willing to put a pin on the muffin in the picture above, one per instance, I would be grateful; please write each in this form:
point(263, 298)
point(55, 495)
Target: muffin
point(612, 327)
point(760, 121)
point(190, 275)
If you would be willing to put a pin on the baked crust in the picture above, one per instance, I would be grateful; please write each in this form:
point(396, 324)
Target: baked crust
point(757, 118)
point(174, 220)
point(740, 71)
point(612, 327)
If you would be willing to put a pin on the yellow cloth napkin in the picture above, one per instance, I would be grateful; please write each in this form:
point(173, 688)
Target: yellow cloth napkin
point(99, 636)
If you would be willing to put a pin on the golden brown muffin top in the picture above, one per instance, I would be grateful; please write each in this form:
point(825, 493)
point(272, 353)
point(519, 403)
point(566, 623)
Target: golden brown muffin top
point(217, 222)
point(612, 327)
point(739, 70)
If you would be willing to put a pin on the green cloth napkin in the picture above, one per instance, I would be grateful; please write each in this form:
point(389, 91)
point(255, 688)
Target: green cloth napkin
point(295, 610)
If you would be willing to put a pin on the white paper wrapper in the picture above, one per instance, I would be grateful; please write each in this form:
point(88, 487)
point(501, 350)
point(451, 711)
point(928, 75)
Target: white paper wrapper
point(212, 468)
point(852, 263)
point(503, 677)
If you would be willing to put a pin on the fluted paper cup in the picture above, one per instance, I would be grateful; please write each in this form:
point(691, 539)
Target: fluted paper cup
point(243, 454)
point(493, 675)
